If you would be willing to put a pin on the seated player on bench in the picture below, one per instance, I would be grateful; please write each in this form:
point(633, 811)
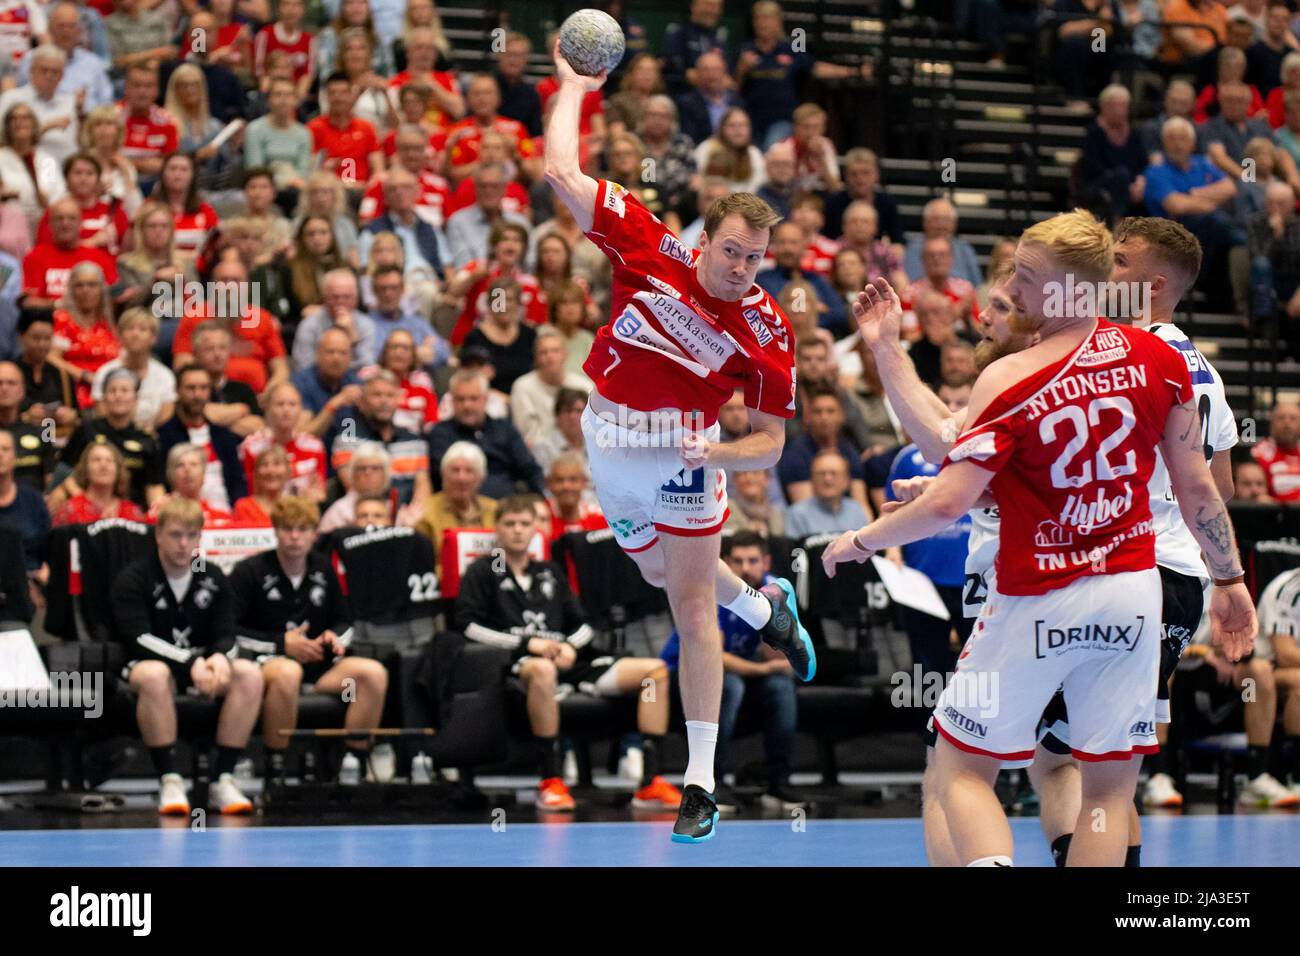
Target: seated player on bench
point(292, 618)
point(509, 600)
point(175, 614)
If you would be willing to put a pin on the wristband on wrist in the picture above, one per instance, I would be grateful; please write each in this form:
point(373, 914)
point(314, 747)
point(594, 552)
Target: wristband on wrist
point(858, 544)
point(1229, 582)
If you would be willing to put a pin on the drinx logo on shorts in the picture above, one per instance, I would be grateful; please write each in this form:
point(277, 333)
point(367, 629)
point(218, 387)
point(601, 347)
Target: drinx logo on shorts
point(1104, 637)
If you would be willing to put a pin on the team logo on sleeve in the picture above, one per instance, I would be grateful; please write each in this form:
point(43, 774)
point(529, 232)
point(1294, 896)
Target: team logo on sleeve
point(673, 248)
point(614, 199)
point(981, 447)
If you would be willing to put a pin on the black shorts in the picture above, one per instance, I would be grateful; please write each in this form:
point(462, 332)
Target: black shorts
point(581, 677)
point(1183, 599)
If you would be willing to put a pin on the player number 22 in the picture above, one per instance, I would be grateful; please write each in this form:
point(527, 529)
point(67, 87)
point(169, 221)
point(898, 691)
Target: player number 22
point(1083, 423)
point(424, 587)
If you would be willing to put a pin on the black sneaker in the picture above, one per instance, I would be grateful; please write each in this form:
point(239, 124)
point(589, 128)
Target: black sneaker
point(725, 799)
point(784, 798)
point(784, 632)
point(696, 816)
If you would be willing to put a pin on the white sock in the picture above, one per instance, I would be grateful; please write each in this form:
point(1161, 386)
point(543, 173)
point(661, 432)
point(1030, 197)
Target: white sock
point(701, 739)
point(751, 607)
point(991, 861)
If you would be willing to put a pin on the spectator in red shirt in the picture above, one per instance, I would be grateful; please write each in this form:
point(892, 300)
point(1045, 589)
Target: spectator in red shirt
point(195, 221)
point(257, 353)
point(47, 267)
point(433, 198)
point(286, 35)
point(483, 97)
point(150, 134)
point(507, 242)
point(229, 44)
point(104, 222)
point(306, 452)
point(187, 476)
point(417, 408)
point(268, 480)
point(936, 259)
point(446, 105)
point(104, 481)
point(494, 148)
point(85, 335)
point(1279, 454)
point(349, 145)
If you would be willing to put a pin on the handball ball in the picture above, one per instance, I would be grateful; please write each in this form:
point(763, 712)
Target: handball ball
point(592, 42)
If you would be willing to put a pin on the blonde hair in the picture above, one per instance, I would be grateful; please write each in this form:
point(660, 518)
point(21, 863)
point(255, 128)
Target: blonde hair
point(292, 511)
point(182, 511)
point(138, 316)
point(191, 124)
point(138, 259)
point(96, 117)
point(1077, 241)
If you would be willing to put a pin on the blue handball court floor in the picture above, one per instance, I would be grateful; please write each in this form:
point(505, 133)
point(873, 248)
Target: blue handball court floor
point(1194, 840)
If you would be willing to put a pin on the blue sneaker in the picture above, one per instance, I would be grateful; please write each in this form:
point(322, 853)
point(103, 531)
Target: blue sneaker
point(785, 633)
point(696, 817)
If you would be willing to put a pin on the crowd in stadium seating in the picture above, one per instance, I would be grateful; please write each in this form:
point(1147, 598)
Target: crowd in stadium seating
point(282, 264)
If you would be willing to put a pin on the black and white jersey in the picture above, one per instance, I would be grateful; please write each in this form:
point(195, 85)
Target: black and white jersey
point(1279, 612)
point(84, 561)
point(155, 625)
point(388, 574)
point(267, 603)
point(1176, 548)
point(499, 608)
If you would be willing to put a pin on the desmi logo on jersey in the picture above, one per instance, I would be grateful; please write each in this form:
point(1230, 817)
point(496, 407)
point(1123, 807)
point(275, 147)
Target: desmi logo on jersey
point(1104, 637)
point(758, 326)
point(673, 248)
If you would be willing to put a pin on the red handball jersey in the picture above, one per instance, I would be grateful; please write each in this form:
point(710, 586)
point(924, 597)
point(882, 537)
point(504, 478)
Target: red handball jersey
point(431, 206)
point(94, 220)
point(306, 459)
point(1281, 469)
point(669, 344)
point(446, 80)
point(46, 268)
point(531, 298)
point(1072, 448)
point(466, 134)
point(152, 135)
point(193, 229)
point(301, 49)
point(466, 194)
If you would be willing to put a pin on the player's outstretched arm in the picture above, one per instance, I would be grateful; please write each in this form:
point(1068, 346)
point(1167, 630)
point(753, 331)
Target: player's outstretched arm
point(575, 188)
point(928, 422)
point(1232, 613)
point(954, 492)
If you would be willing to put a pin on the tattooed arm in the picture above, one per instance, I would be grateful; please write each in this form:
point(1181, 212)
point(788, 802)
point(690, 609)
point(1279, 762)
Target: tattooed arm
point(1232, 613)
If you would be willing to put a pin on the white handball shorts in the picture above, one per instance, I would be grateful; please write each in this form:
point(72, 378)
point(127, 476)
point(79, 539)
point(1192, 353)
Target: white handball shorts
point(1097, 639)
point(642, 486)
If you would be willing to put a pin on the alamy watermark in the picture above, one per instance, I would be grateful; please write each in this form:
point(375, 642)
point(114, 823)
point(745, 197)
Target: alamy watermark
point(66, 689)
point(631, 428)
point(966, 690)
point(224, 299)
point(1086, 299)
